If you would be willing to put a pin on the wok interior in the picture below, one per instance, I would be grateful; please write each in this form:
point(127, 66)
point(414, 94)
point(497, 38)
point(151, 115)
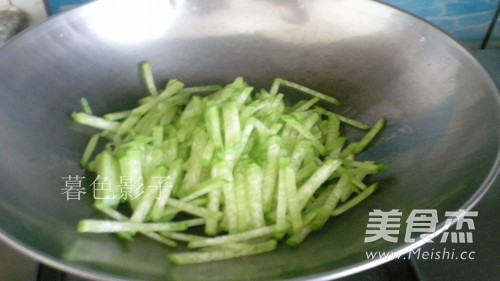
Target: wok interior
point(441, 141)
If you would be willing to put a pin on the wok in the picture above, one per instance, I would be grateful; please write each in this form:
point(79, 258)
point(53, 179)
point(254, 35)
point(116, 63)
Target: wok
point(441, 142)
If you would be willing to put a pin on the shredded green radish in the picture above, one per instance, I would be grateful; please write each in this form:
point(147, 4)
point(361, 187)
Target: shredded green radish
point(225, 169)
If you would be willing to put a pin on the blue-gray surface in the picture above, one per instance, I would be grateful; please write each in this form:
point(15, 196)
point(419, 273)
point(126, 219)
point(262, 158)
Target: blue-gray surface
point(57, 6)
point(466, 20)
point(495, 36)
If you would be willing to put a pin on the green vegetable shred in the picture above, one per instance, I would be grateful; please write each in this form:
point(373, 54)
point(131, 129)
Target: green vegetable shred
point(225, 169)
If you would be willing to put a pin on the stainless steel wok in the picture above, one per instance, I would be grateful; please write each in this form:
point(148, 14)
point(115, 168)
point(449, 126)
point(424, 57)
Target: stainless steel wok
point(441, 142)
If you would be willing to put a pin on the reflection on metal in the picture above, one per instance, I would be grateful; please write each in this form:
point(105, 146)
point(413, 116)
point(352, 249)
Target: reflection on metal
point(128, 21)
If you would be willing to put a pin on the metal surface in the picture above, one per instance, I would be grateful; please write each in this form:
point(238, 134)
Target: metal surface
point(484, 248)
point(441, 142)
